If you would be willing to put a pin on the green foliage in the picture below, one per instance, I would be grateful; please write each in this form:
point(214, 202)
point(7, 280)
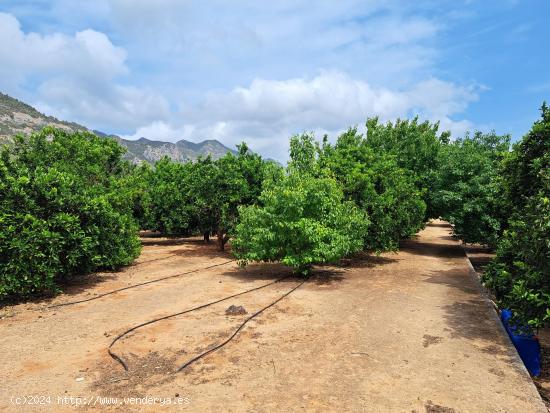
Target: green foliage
point(303, 220)
point(134, 188)
point(520, 274)
point(304, 151)
point(234, 181)
point(416, 147)
point(385, 192)
point(166, 203)
point(526, 170)
point(61, 210)
point(469, 187)
point(201, 196)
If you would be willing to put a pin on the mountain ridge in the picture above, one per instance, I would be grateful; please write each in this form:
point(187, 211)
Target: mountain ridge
point(19, 117)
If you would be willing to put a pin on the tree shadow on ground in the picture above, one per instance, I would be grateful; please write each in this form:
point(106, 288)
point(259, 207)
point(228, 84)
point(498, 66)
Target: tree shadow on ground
point(432, 249)
point(154, 242)
point(320, 275)
point(327, 277)
point(167, 240)
point(439, 225)
point(258, 271)
point(326, 274)
point(365, 259)
point(478, 249)
point(479, 263)
point(205, 251)
point(69, 287)
point(479, 256)
point(472, 319)
point(457, 278)
point(469, 315)
point(81, 283)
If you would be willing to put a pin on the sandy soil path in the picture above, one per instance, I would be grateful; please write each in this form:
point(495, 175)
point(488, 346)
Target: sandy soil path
point(400, 332)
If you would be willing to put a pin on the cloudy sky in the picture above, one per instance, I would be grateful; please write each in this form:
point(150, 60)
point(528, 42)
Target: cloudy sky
point(262, 71)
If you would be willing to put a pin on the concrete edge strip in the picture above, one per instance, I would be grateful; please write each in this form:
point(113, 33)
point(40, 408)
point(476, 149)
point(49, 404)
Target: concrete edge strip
point(517, 359)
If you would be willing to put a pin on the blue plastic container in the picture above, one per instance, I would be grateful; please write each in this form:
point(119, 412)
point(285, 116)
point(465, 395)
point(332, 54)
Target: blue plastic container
point(527, 345)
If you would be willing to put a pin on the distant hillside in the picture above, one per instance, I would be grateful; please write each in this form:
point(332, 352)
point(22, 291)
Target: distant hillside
point(18, 117)
point(151, 151)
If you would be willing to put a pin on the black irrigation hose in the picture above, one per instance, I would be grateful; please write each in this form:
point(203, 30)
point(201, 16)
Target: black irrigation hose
point(257, 313)
point(123, 363)
point(136, 285)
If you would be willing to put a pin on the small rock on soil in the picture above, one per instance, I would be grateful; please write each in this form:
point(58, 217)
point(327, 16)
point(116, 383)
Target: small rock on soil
point(235, 310)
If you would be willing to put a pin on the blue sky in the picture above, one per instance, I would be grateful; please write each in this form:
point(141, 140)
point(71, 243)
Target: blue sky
point(262, 71)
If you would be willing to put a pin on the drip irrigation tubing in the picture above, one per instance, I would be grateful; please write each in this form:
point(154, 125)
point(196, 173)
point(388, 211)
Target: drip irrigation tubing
point(136, 285)
point(241, 326)
point(136, 327)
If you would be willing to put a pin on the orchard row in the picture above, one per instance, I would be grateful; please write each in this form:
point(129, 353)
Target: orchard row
point(70, 204)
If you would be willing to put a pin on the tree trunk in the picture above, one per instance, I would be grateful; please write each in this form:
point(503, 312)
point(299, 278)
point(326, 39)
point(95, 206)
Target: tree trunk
point(222, 239)
point(221, 243)
point(206, 237)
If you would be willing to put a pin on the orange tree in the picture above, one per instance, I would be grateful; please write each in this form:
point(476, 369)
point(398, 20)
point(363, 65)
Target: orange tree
point(63, 210)
point(378, 186)
point(166, 203)
point(416, 147)
point(221, 186)
point(201, 196)
point(468, 188)
point(520, 274)
point(302, 217)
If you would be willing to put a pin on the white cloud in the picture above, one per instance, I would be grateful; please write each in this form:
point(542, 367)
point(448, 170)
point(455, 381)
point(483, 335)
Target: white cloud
point(112, 105)
point(75, 77)
point(220, 44)
point(268, 112)
point(304, 68)
point(331, 98)
point(87, 54)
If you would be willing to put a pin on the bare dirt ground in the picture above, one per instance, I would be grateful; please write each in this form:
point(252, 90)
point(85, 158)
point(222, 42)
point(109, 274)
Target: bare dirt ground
point(400, 332)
